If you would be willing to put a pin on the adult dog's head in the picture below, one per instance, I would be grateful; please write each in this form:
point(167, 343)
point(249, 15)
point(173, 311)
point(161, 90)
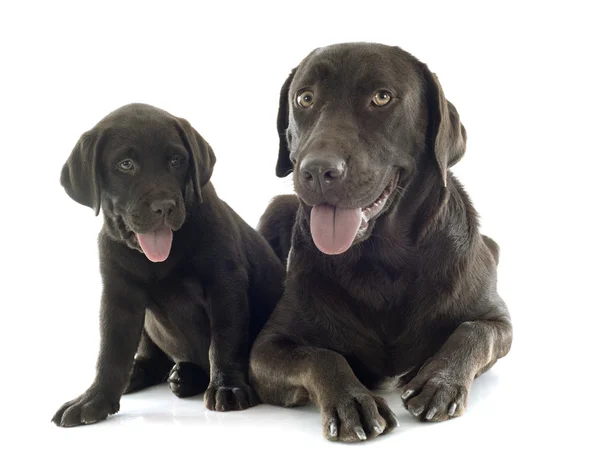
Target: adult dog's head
point(356, 122)
point(141, 166)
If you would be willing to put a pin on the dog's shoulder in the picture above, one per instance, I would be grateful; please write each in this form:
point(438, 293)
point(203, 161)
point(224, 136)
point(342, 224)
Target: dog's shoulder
point(277, 222)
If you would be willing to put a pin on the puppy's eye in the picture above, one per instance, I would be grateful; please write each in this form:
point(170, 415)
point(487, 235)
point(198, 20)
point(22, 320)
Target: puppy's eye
point(125, 165)
point(176, 161)
point(381, 98)
point(305, 98)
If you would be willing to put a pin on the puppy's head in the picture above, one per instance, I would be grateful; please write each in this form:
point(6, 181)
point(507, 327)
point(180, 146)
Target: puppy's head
point(141, 166)
point(356, 122)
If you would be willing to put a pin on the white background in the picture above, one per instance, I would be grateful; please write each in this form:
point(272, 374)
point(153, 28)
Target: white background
point(524, 77)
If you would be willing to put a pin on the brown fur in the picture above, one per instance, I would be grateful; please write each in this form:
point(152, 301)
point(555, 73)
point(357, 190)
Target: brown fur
point(413, 301)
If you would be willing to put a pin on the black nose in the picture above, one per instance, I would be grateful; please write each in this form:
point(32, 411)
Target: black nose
point(163, 206)
point(323, 170)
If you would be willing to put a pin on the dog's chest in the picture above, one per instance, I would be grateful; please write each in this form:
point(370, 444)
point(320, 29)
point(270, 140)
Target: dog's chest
point(398, 331)
point(377, 289)
point(176, 319)
point(397, 346)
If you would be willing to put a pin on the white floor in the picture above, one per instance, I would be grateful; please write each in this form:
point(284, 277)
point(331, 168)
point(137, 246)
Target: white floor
point(506, 421)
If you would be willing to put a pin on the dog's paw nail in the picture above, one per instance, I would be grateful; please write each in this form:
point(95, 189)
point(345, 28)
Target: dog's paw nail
point(360, 433)
point(333, 430)
point(431, 413)
point(407, 394)
point(418, 411)
point(452, 409)
point(377, 427)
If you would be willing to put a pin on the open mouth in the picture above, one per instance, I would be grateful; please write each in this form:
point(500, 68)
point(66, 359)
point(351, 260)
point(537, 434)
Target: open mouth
point(373, 210)
point(334, 229)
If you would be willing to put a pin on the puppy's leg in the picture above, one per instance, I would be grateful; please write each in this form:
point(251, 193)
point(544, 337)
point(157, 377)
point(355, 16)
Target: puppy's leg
point(228, 352)
point(121, 320)
point(287, 374)
point(150, 367)
point(441, 388)
point(187, 379)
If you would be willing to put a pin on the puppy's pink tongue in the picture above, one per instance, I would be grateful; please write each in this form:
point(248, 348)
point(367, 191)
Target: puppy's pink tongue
point(333, 229)
point(157, 244)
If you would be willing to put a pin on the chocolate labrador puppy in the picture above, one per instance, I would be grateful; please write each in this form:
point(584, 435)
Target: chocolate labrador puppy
point(389, 281)
point(186, 281)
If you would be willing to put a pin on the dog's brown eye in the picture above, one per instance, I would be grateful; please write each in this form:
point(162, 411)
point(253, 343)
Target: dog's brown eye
point(176, 161)
point(381, 98)
point(305, 98)
point(127, 164)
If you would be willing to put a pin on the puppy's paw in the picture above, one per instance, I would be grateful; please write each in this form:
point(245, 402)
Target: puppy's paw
point(357, 416)
point(88, 408)
point(187, 379)
point(436, 394)
point(230, 397)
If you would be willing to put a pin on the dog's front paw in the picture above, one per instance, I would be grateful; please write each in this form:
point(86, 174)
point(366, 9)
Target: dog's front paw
point(187, 379)
point(436, 394)
point(227, 397)
point(355, 416)
point(88, 408)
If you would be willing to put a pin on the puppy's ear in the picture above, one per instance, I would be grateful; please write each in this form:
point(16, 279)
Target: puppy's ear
point(284, 164)
point(80, 176)
point(202, 157)
point(446, 130)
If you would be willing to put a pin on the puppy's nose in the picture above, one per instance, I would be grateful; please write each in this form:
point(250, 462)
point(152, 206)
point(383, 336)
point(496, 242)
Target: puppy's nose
point(326, 171)
point(163, 206)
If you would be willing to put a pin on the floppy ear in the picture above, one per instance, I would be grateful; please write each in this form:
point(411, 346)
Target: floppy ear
point(202, 159)
point(79, 176)
point(449, 135)
point(284, 164)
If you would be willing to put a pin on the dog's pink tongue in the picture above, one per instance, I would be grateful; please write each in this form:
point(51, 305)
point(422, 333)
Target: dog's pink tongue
point(333, 229)
point(157, 244)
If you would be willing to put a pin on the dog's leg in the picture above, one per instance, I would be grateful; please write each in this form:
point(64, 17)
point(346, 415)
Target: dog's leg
point(150, 367)
point(187, 379)
point(228, 351)
point(121, 321)
point(441, 388)
point(287, 374)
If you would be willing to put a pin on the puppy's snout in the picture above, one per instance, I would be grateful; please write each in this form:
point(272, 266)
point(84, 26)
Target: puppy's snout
point(324, 171)
point(163, 207)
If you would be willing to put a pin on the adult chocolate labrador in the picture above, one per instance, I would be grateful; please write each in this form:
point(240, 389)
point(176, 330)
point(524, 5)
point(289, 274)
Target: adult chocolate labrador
point(185, 280)
point(389, 280)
